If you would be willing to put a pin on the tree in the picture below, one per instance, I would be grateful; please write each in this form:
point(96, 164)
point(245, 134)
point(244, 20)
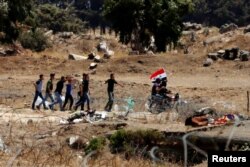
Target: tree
point(13, 12)
point(139, 19)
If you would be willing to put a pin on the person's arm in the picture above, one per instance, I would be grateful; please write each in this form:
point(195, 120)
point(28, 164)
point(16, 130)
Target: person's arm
point(36, 85)
point(81, 90)
point(119, 84)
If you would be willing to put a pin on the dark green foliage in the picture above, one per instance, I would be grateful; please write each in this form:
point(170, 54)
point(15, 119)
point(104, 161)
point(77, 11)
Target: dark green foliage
point(13, 12)
point(128, 141)
point(219, 12)
point(34, 40)
point(139, 19)
point(56, 19)
point(96, 144)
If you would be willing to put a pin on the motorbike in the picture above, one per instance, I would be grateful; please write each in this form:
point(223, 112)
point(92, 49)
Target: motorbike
point(158, 103)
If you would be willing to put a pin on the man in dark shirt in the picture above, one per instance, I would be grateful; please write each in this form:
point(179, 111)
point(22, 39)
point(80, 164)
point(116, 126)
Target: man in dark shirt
point(49, 89)
point(111, 83)
point(58, 94)
point(84, 93)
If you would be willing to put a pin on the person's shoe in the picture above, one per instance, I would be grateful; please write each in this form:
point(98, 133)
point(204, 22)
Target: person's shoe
point(50, 107)
point(176, 98)
point(38, 107)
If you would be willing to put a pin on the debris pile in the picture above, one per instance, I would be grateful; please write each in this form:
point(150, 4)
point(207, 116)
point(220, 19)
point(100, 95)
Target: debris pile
point(227, 54)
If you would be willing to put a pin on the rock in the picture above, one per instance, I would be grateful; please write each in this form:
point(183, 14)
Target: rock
point(66, 34)
point(244, 55)
point(228, 27)
point(231, 54)
point(7, 52)
point(192, 26)
point(93, 72)
point(77, 75)
point(102, 47)
point(217, 38)
point(213, 56)
point(208, 62)
point(108, 54)
point(150, 53)
point(2, 145)
point(91, 56)
point(48, 33)
point(97, 59)
point(140, 62)
point(92, 66)
point(247, 29)
point(76, 57)
point(76, 142)
point(220, 53)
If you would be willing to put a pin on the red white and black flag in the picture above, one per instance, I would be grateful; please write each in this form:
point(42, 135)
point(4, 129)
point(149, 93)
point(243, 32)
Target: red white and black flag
point(158, 74)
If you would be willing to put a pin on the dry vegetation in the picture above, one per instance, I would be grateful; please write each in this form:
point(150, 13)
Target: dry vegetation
point(223, 86)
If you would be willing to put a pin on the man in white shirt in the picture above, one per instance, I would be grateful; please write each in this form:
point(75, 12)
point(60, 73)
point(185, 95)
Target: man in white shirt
point(38, 87)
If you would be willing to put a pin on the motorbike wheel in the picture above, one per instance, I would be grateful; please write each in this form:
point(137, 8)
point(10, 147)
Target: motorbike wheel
point(155, 108)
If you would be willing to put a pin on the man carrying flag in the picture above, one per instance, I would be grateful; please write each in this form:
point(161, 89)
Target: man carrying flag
point(161, 74)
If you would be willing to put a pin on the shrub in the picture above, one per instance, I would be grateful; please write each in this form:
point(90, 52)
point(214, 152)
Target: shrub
point(127, 141)
point(95, 144)
point(34, 40)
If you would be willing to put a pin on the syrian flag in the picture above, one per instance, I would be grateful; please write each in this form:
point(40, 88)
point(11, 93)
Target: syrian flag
point(158, 74)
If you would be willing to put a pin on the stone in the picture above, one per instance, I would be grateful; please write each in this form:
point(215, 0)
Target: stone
point(221, 52)
point(48, 33)
point(192, 26)
point(91, 56)
point(102, 47)
point(244, 55)
point(247, 29)
point(66, 34)
point(2, 145)
point(208, 62)
point(92, 66)
point(76, 142)
point(213, 56)
point(76, 57)
point(108, 54)
point(228, 27)
point(97, 59)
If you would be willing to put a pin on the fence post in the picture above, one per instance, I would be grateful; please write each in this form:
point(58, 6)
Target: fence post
point(248, 101)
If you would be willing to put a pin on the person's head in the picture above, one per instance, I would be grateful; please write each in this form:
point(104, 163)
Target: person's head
point(84, 76)
point(41, 77)
point(158, 80)
point(70, 79)
point(87, 77)
point(112, 76)
point(52, 76)
point(63, 78)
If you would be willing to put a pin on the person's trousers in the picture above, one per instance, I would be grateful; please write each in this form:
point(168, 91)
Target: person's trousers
point(109, 105)
point(82, 100)
point(38, 94)
point(68, 97)
point(58, 101)
point(48, 95)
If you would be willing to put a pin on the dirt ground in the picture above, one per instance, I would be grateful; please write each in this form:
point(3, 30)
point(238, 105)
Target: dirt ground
point(223, 85)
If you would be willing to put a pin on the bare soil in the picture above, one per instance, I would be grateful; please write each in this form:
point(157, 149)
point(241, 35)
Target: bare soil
point(222, 86)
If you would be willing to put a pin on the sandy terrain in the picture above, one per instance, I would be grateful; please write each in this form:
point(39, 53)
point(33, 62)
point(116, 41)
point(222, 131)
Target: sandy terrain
point(222, 85)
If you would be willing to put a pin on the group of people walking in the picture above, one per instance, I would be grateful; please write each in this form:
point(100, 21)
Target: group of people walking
point(83, 93)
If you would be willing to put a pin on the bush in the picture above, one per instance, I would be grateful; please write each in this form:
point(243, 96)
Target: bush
point(34, 40)
point(95, 144)
point(127, 141)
